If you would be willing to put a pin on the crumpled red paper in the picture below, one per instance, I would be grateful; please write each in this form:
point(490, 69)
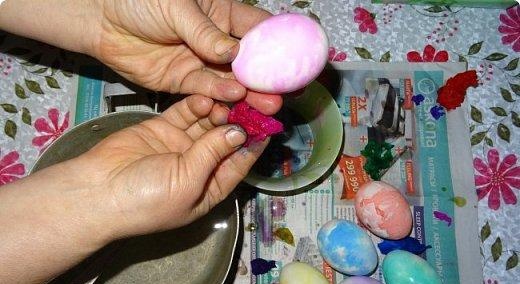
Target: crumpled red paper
point(257, 125)
point(451, 95)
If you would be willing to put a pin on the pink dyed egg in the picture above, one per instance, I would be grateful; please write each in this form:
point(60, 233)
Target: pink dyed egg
point(281, 54)
point(382, 209)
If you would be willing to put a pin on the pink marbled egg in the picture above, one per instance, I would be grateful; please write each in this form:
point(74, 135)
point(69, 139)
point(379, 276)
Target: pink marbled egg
point(281, 54)
point(383, 210)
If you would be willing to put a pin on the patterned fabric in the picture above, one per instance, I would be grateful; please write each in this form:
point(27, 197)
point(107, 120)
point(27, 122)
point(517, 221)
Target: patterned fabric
point(35, 108)
point(34, 100)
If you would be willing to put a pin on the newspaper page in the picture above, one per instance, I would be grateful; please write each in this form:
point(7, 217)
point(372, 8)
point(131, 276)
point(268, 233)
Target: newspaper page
point(375, 100)
point(96, 96)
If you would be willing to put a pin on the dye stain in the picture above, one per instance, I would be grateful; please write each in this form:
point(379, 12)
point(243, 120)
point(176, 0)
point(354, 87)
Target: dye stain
point(289, 151)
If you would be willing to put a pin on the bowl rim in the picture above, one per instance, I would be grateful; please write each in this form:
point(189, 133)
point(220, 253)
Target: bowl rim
point(271, 185)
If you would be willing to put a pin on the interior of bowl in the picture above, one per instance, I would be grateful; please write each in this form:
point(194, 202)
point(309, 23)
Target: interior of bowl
point(321, 112)
point(198, 253)
point(201, 252)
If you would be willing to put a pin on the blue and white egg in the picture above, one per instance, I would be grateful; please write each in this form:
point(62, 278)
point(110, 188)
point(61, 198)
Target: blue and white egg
point(347, 248)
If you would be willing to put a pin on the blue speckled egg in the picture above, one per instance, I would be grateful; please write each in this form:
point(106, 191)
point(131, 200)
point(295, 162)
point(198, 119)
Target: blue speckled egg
point(347, 248)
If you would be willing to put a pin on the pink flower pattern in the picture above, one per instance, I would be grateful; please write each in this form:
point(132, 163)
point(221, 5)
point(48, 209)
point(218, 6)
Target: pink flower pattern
point(365, 19)
point(497, 178)
point(10, 170)
point(49, 131)
point(429, 54)
point(6, 64)
point(510, 27)
point(336, 55)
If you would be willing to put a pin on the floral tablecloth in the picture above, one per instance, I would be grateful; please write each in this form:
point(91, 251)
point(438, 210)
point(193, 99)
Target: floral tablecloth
point(35, 105)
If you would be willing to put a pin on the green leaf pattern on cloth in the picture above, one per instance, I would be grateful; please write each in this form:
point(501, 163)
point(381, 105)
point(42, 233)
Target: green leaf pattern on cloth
point(28, 89)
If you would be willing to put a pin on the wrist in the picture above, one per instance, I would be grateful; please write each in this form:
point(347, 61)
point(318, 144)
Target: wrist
point(50, 221)
point(93, 23)
point(85, 202)
point(63, 201)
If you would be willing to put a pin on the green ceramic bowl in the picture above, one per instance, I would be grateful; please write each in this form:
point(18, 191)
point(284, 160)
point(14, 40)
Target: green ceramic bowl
point(319, 110)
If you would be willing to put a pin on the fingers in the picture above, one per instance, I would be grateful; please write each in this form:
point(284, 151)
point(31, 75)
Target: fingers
point(235, 168)
point(203, 36)
point(230, 172)
point(265, 103)
point(185, 113)
point(208, 151)
point(244, 17)
point(209, 84)
point(217, 117)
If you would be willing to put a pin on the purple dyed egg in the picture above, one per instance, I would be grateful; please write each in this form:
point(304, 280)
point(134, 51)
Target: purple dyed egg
point(359, 280)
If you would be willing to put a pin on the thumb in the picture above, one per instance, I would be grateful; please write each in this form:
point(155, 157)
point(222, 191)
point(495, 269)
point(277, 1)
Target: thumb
point(208, 151)
point(204, 37)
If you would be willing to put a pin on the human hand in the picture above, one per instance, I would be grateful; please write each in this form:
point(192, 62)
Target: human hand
point(176, 46)
point(160, 174)
point(180, 46)
point(170, 170)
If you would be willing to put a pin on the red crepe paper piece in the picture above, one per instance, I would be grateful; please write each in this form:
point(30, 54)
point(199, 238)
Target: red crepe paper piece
point(257, 125)
point(451, 95)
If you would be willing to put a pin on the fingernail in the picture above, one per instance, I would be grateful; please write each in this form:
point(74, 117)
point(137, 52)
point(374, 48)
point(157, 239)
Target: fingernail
point(225, 46)
point(236, 136)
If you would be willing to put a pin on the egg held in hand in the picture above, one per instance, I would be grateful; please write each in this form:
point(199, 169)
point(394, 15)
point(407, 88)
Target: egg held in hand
point(383, 210)
point(282, 54)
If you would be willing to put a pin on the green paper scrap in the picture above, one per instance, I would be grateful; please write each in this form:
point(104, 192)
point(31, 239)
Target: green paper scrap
point(285, 235)
point(459, 201)
point(495, 4)
point(378, 157)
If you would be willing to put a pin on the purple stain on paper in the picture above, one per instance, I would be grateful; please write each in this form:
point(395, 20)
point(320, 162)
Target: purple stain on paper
point(443, 217)
point(437, 112)
point(261, 266)
point(418, 99)
point(408, 244)
point(278, 208)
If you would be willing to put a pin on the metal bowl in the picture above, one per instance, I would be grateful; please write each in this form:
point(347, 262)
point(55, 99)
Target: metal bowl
point(201, 252)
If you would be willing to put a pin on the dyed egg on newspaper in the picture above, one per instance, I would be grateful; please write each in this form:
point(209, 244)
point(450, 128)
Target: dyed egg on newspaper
point(383, 210)
point(402, 267)
point(347, 248)
point(301, 273)
point(282, 54)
